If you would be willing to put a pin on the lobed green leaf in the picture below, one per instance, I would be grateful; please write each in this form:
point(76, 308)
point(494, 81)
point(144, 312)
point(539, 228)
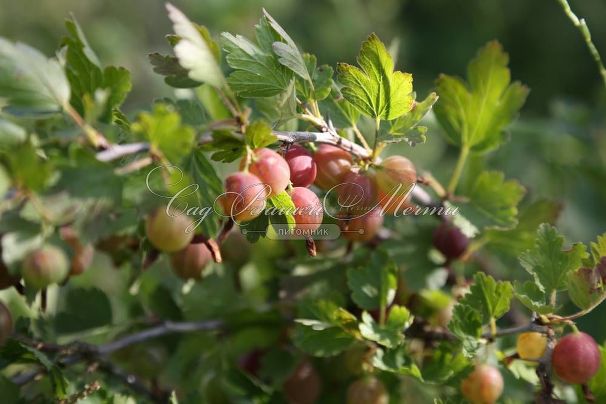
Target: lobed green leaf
point(375, 89)
point(475, 114)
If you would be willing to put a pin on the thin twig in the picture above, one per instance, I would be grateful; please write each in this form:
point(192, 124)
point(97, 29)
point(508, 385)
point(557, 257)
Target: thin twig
point(584, 29)
point(554, 319)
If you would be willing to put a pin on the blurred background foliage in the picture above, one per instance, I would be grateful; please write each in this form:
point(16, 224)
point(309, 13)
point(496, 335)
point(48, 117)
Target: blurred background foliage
point(435, 36)
point(558, 147)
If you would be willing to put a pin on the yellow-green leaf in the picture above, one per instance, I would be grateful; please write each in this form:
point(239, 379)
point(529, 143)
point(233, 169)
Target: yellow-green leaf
point(375, 88)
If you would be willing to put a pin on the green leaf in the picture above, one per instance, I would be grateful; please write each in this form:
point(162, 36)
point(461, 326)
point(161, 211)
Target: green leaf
point(391, 334)
point(5, 181)
point(212, 103)
point(490, 297)
point(373, 284)
point(329, 331)
point(548, 263)
point(521, 238)
point(321, 80)
point(493, 201)
point(19, 237)
point(531, 296)
point(280, 109)
point(598, 248)
point(76, 314)
point(320, 339)
point(28, 167)
point(475, 114)
point(288, 53)
point(257, 71)
point(191, 110)
point(375, 89)
point(16, 352)
point(407, 126)
point(444, 363)
point(256, 228)
point(584, 287)
point(11, 134)
point(165, 132)
point(466, 325)
point(396, 361)
point(341, 111)
point(283, 203)
point(259, 134)
point(597, 384)
point(227, 147)
point(209, 185)
point(174, 74)
point(29, 82)
point(9, 391)
point(195, 50)
point(86, 76)
point(88, 178)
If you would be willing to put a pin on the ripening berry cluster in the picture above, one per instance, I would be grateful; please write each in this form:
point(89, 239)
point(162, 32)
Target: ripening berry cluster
point(364, 195)
point(361, 193)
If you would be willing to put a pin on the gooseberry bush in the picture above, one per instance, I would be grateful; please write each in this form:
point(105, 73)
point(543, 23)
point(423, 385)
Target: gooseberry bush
point(254, 239)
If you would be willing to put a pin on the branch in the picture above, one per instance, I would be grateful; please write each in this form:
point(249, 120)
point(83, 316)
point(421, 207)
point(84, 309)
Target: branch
point(584, 29)
point(167, 327)
point(543, 371)
point(419, 329)
point(78, 351)
point(329, 136)
point(117, 151)
point(516, 330)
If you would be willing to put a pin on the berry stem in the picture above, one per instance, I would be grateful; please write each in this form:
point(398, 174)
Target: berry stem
point(493, 327)
point(572, 317)
point(360, 137)
point(458, 170)
point(96, 139)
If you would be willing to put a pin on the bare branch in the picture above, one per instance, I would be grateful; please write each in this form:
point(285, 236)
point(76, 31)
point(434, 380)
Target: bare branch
point(120, 150)
point(164, 328)
point(328, 137)
point(79, 352)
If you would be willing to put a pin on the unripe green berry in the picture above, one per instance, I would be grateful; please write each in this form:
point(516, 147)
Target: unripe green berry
point(169, 233)
point(45, 266)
